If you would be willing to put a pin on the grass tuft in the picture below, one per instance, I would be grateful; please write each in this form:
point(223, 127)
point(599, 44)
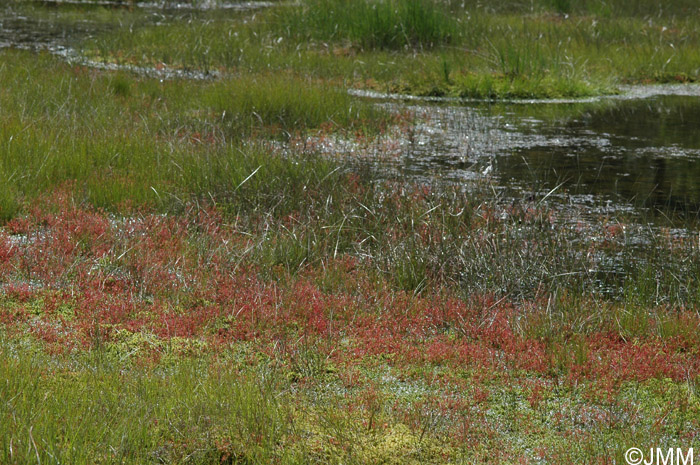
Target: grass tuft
point(383, 24)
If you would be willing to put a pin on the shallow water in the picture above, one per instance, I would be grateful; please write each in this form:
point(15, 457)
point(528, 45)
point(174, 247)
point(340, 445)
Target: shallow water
point(640, 152)
point(638, 155)
point(18, 28)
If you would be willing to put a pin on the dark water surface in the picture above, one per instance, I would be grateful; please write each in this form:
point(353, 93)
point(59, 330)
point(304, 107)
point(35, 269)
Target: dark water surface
point(643, 152)
point(632, 154)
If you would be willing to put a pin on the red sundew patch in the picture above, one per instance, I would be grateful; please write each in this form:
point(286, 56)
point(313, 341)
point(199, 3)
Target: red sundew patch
point(528, 355)
point(116, 311)
point(18, 225)
point(535, 393)
point(12, 316)
point(376, 340)
point(46, 333)
point(71, 235)
point(317, 312)
point(19, 292)
point(54, 301)
point(7, 252)
point(188, 324)
point(439, 351)
point(476, 355)
point(174, 277)
point(639, 361)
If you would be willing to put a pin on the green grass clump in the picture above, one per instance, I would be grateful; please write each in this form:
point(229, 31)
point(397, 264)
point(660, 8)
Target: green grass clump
point(92, 409)
point(287, 103)
point(116, 138)
point(384, 24)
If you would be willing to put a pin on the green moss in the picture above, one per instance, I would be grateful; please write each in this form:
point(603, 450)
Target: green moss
point(125, 345)
point(335, 437)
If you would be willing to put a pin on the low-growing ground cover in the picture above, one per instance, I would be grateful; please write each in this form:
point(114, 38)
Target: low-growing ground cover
point(178, 285)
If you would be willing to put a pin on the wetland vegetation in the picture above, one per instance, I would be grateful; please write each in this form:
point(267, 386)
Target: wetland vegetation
point(212, 252)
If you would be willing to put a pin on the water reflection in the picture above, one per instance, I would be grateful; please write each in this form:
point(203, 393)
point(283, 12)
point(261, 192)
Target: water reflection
point(631, 153)
point(643, 152)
